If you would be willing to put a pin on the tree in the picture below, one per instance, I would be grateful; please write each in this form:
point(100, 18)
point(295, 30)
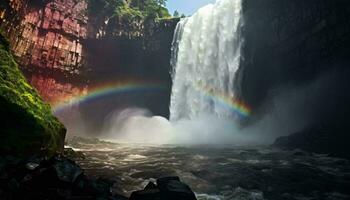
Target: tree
point(151, 8)
point(176, 13)
point(161, 2)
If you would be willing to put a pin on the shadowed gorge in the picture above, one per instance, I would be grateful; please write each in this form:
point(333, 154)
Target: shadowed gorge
point(131, 99)
point(297, 52)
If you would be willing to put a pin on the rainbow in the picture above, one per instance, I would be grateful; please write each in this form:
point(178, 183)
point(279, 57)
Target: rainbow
point(121, 87)
point(233, 104)
point(106, 90)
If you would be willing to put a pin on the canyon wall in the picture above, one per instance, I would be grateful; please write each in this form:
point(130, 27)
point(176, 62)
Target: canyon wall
point(129, 58)
point(67, 48)
point(47, 39)
point(291, 42)
point(299, 49)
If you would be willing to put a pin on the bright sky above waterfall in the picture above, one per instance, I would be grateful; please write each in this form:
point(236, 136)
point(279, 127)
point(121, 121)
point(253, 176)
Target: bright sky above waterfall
point(187, 7)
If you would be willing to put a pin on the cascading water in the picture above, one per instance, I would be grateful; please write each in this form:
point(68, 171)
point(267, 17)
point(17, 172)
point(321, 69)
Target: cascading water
point(206, 56)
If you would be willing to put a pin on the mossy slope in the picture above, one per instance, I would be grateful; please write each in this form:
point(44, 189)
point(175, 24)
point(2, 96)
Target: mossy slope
point(27, 124)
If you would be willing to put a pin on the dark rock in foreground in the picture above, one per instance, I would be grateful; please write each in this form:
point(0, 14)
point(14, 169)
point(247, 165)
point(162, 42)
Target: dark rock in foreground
point(168, 188)
point(73, 155)
point(54, 178)
point(61, 178)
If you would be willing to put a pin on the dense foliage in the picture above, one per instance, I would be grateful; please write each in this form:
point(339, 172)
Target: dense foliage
point(131, 9)
point(27, 124)
point(126, 18)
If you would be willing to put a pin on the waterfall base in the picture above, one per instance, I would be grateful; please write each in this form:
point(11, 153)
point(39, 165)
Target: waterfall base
point(220, 173)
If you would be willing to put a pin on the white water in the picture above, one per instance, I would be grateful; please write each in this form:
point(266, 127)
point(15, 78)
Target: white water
point(206, 57)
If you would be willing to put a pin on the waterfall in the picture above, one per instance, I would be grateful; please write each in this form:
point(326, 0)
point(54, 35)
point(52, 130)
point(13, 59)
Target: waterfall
point(206, 55)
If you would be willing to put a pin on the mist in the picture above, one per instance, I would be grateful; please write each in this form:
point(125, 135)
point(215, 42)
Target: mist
point(287, 110)
point(137, 125)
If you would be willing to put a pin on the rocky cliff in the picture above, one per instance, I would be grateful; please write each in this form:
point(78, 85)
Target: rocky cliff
point(46, 37)
point(68, 48)
point(27, 125)
point(292, 41)
point(120, 58)
point(305, 45)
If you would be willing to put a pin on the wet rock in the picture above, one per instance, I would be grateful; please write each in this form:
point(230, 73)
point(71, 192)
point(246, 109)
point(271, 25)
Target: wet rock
point(167, 188)
point(150, 186)
point(317, 140)
point(101, 187)
point(118, 197)
point(152, 194)
point(54, 178)
point(32, 166)
point(61, 178)
point(74, 155)
point(65, 170)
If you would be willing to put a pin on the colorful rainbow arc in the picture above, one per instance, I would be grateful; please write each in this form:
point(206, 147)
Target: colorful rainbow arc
point(234, 105)
point(110, 89)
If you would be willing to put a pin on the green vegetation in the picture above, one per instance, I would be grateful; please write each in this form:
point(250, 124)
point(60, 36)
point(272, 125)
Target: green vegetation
point(125, 12)
point(151, 8)
point(176, 14)
point(27, 124)
point(126, 18)
point(131, 9)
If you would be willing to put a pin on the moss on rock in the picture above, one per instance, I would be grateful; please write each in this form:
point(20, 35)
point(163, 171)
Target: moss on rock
point(27, 124)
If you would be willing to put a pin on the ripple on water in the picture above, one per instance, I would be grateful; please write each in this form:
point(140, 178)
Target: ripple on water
point(269, 170)
point(134, 157)
point(209, 197)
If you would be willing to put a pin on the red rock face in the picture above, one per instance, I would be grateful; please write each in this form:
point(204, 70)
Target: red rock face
point(52, 36)
point(48, 44)
point(55, 92)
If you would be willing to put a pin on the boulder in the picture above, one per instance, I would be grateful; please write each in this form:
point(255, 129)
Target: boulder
point(61, 178)
point(54, 178)
point(167, 188)
point(73, 155)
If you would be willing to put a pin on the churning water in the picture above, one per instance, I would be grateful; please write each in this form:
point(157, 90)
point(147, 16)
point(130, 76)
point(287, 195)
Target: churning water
point(225, 173)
